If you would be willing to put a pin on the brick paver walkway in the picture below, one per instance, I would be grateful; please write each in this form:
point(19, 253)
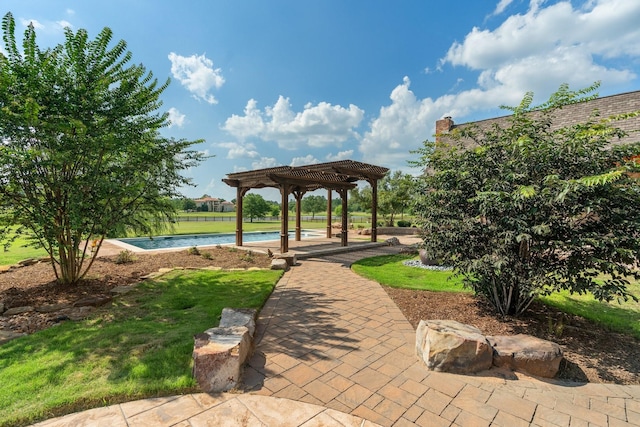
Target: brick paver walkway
point(334, 350)
point(333, 338)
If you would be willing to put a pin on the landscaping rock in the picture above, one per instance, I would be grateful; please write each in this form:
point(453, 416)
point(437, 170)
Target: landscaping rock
point(525, 353)
point(27, 262)
point(95, 301)
point(76, 313)
point(121, 290)
point(1, 307)
point(51, 308)
point(279, 264)
point(239, 317)
point(9, 335)
point(18, 310)
point(218, 356)
point(366, 232)
point(290, 258)
point(450, 346)
point(5, 268)
point(393, 241)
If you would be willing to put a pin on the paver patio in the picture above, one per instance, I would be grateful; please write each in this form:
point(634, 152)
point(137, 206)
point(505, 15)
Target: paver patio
point(334, 350)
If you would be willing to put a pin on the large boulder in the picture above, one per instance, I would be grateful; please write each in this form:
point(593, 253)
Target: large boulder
point(279, 264)
point(525, 353)
point(450, 346)
point(239, 317)
point(218, 356)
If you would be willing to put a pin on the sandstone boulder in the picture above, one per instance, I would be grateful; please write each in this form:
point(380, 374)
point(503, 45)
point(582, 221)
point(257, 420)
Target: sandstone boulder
point(525, 353)
point(18, 310)
point(450, 346)
point(393, 241)
point(218, 356)
point(279, 264)
point(239, 317)
point(291, 259)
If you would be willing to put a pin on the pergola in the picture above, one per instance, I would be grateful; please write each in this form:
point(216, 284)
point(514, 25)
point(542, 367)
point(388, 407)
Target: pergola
point(339, 176)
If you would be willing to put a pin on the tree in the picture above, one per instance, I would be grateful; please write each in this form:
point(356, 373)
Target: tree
point(81, 154)
point(188, 204)
point(254, 206)
point(395, 191)
point(531, 209)
point(314, 204)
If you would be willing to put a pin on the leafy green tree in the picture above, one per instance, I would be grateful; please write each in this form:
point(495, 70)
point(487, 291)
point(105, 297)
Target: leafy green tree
point(529, 209)
point(254, 206)
point(313, 204)
point(81, 154)
point(275, 211)
point(395, 192)
point(188, 204)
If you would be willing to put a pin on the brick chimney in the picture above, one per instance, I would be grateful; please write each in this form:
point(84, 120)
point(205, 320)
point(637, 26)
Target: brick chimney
point(443, 126)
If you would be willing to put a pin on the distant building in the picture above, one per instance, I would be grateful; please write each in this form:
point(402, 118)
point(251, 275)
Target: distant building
point(213, 204)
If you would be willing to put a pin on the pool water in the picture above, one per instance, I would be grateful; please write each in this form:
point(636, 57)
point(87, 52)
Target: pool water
point(187, 241)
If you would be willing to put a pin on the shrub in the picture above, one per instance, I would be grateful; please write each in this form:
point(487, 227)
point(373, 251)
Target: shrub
point(529, 209)
point(206, 255)
point(403, 223)
point(193, 250)
point(125, 257)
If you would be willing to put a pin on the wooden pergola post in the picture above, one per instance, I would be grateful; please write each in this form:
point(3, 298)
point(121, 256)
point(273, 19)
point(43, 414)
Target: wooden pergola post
point(329, 213)
point(374, 209)
point(298, 196)
point(240, 192)
point(284, 225)
point(345, 219)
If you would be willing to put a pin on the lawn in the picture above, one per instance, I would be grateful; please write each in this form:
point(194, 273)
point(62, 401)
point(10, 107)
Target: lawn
point(140, 347)
point(20, 250)
point(388, 270)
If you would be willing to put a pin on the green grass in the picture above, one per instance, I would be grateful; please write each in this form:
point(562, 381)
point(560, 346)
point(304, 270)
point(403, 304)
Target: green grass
point(139, 347)
point(388, 270)
point(18, 251)
point(619, 317)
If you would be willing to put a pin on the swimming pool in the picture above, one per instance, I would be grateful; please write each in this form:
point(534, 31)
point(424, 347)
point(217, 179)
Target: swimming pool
point(187, 241)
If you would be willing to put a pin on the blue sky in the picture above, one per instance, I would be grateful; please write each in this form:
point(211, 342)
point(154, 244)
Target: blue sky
point(268, 83)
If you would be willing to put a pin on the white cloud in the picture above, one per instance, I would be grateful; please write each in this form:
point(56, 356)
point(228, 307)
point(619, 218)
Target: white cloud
point(342, 155)
point(64, 24)
point(400, 127)
point(318, 125)
point(71, 12)
point(239, 151)
point(36, 24)
point(606, 27)
point(301, 161)
point(196, 73)
point(502, 5)
point(265, 162)
point(176, 118)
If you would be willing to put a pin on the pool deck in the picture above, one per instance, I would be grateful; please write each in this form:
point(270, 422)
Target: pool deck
point(305, 248)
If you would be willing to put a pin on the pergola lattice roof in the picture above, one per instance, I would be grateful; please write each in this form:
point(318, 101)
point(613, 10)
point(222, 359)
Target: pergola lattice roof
point(332, 175)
